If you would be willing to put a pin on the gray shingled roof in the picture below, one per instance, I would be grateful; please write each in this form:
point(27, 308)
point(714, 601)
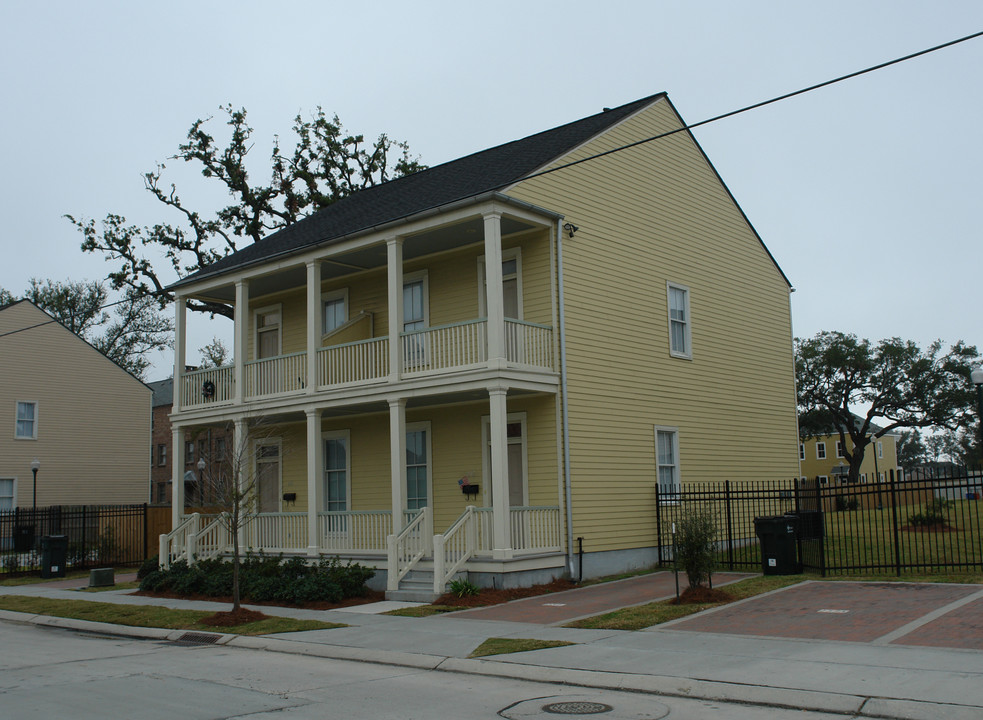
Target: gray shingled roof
point(163, 392)
point(457, 180)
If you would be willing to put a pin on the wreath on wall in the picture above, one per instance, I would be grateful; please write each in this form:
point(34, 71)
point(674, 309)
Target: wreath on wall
point(208, 389)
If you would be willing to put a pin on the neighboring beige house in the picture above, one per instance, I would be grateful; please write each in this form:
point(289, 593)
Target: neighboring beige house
point(62, 402)
point(563, 341)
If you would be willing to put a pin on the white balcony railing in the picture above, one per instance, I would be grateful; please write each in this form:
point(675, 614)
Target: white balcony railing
point(445, 347)
point(353, 362)
point(273, 532)
point(208, 386)
point(529, 344)
point(276, 375)
point(365, 531)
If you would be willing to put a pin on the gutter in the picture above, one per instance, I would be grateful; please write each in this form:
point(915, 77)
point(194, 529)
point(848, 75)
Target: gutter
point(563, 390)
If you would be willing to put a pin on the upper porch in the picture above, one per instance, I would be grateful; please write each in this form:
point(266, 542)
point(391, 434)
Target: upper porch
point(464, 294)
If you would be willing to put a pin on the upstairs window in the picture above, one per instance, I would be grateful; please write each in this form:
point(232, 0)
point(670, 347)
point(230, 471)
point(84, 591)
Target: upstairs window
point(268, 322)
point(679, 321)
point(27, 421)
point(820, 451)
point(839, 448)
point(802, 451)
point(162, 455)
point(335, 310)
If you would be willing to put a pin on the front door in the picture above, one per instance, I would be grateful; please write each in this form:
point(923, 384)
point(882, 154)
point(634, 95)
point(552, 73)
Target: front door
point(268, 477)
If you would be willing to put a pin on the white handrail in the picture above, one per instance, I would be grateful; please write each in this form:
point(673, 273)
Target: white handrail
point(445, 347)
point(359, 361)
point(174, 545)
point(207, 386)
point(453, 548)
point(359, 531)
point(214, 539)
point(281, 374)
point(406, 549)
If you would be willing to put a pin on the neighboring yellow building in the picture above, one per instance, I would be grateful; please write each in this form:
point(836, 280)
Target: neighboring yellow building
point(823, 458)
point(84, 419)
point(638, 332)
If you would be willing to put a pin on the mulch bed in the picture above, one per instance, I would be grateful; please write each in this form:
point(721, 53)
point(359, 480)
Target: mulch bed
point(490, 596)
point(233, 617)
point(701, 596)
point(938, 527)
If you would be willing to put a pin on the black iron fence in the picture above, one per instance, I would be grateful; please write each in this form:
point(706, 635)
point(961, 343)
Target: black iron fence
point(97, 536)
point(922, 525)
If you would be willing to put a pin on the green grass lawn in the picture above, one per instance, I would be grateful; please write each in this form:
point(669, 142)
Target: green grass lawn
point(503, 646)
point(151, 616)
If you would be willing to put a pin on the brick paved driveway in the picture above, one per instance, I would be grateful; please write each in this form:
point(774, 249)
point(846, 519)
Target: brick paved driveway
point(926, 614)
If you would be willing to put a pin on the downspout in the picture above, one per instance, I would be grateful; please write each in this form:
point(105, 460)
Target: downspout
point(561, 324)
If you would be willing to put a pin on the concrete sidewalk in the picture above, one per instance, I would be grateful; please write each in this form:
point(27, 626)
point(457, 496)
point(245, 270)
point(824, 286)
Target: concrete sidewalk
point(875, 677)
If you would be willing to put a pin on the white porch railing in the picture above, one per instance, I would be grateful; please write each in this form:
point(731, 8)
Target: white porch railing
point(408, 548)
point(353, 362)
point(174, 545)
point(208, 386)
point(529, 344)
point(212, 540)
point(534, 529)
point(276, 375)
point(273, 532)
point(452, 549)
point(444, 347)
point(347, 531)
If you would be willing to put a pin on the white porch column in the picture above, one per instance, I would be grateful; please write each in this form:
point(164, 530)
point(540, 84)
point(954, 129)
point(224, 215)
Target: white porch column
point(495, 304)
point(394, 250)
point(242, 466)
point(180, 359)
point(313, 474)
point(499, 456)
point(397, 459)
point(314, 322)
point(177, 474)
point(239, 341)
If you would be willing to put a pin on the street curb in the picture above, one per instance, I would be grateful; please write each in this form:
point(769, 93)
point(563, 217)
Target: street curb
point(659, 685)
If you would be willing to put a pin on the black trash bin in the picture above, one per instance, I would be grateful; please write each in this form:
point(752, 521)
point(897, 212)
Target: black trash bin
point(54, 548)
point(811, 524)
point(779, 549)
point(23, 538)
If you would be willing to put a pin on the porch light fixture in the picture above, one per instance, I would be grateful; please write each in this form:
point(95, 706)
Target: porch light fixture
point(571, 228)
point(35, 466)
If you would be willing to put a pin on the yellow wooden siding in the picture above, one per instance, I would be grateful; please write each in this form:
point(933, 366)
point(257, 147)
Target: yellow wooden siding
point(734, 402)
point(93, 418)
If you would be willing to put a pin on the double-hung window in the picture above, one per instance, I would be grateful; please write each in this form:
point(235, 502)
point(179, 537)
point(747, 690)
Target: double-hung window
point(6, 493)
point(162, 455)
point(839, 448)
point(335, 310)
point(680, 340)
point(336, 472)
point(27, 421)
point(802, 451)
point(417, 467)
point(820, 451)
point(667, 461)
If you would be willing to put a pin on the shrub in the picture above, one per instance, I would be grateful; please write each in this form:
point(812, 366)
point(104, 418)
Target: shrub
point(845, 503)
point(148, 566)
point(463, 588)
point(696, 534)
point(933, 514)
point(263, 579)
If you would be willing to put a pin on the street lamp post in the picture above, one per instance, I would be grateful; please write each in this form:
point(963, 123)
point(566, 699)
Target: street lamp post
point(35, 466)
point(977, 378)
point(201, 480)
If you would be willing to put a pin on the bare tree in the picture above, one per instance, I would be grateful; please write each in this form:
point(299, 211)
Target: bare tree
point(233, 482)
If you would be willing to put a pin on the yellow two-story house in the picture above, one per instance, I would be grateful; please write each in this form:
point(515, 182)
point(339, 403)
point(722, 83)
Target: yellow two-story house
point(487, 367)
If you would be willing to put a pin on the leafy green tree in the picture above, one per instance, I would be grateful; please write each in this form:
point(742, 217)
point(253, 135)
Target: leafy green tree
point(901, 385)
point(214, 354)
point(911, 450)
point(326, 164)
point(126, 335)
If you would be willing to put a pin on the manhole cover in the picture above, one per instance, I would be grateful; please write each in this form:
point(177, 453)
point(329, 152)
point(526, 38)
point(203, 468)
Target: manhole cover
point(577, 708)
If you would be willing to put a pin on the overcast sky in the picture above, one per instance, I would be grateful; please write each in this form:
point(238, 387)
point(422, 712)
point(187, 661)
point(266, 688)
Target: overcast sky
point(868, 193)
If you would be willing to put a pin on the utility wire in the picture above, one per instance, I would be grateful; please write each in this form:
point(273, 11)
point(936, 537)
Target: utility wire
point(691, 126)
point(56, 320)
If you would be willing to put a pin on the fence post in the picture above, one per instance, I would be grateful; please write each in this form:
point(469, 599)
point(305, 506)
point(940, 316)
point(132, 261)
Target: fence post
point(85, 547)
point(658, 524)
point(897, 533)
point(730, 527)
point(146, 542)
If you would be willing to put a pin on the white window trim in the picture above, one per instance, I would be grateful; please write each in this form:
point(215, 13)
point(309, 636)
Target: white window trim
point(256, 463)
point(688, 354)
point(13, 498)
point(414, 427)
point(823, 446)
point(509, 254)
point(413, 277)
point(161, 457)
point(839, 449)
point(802, 451)
point(675, 451)
point(34, 426)
point(334, 295)
point(823, 479)
point(486, 491)
point(331, 435)
point(279, 335)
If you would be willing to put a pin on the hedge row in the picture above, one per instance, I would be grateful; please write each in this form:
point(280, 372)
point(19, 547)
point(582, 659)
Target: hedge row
point(264, 578)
